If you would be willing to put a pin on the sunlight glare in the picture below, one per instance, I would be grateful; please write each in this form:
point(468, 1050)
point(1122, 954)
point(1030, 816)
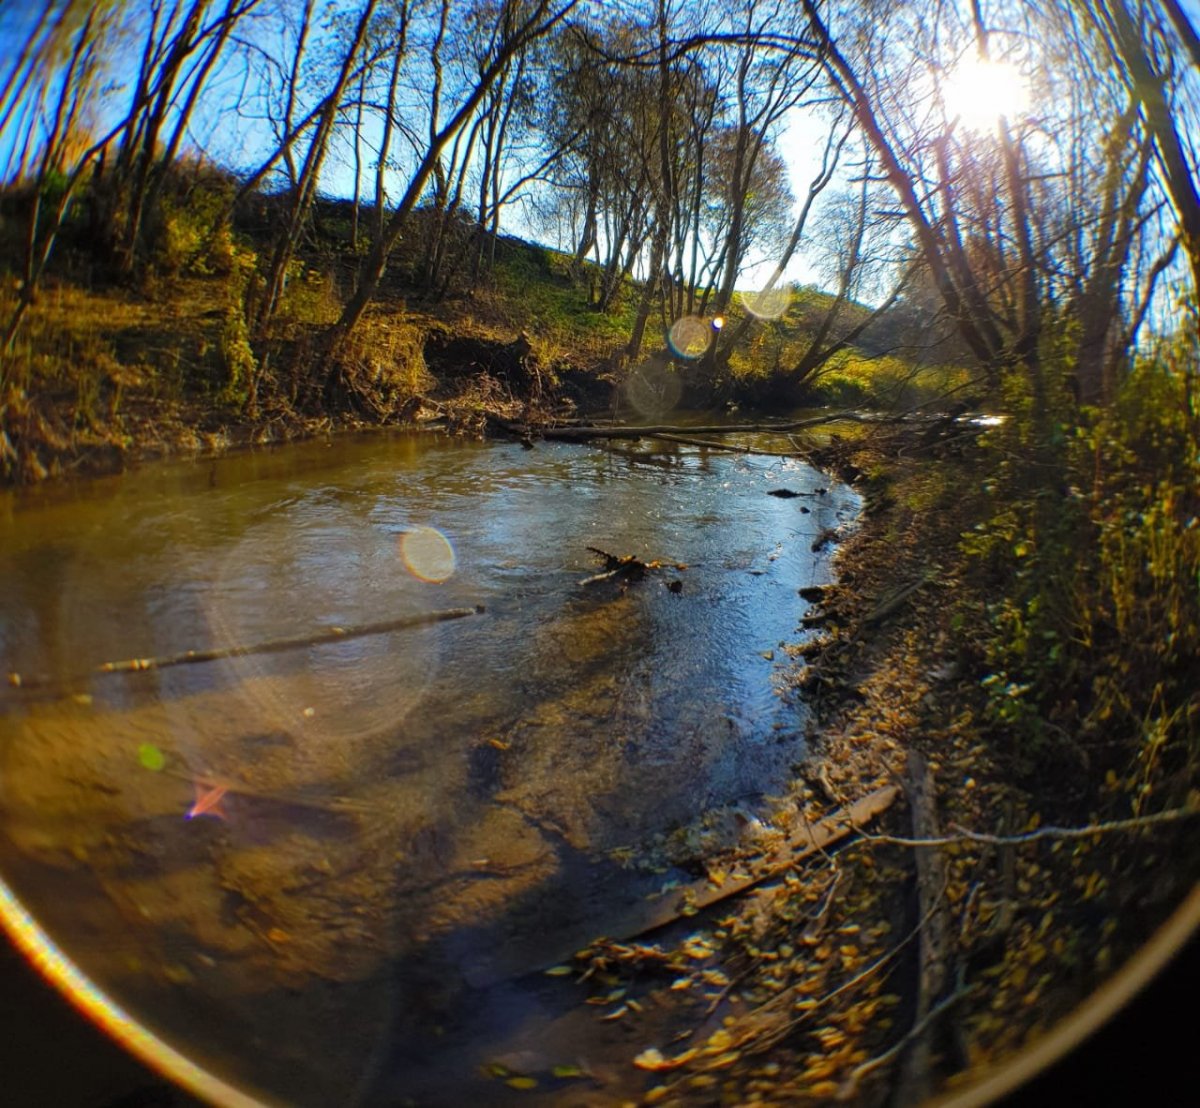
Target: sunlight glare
point(428, 554)
point(689, 337)
point(979, 91)
point(653, 388)
point(767, 302)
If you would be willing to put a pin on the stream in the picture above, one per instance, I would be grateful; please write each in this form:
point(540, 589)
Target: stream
point(336, 873)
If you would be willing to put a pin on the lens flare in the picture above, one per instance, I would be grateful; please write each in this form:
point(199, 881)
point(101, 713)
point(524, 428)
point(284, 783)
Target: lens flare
point(689, 337)
point(289, 579)
point(151, 757)
point(87, 997)
point(428, 554)
point(208, 801)
point(766, 303)
point(653, 388)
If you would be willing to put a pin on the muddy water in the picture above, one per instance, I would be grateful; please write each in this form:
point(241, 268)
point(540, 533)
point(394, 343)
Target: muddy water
point(324, 872)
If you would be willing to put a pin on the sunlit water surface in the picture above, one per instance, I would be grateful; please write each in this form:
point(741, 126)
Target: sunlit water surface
point(304, 867)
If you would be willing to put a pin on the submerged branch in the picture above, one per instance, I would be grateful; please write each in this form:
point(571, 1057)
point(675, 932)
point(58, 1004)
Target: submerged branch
point(629, 566)
point(809, 839)
point(709, 444)
point(659, 430)
point(275, 646)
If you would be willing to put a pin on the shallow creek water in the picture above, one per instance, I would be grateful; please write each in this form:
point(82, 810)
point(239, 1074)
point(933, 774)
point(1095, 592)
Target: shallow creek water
point(328, 873)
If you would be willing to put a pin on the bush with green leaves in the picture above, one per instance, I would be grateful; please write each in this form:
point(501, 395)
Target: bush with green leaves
point(1094, 550)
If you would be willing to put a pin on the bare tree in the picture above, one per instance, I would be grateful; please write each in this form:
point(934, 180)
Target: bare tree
point(396, 50)
point(1014, 239)
point(179, 50)
point(1151, 84)
point(62, 94)
point(663, 184)
point(305, 192)
point(766, 86)
point(522, 24)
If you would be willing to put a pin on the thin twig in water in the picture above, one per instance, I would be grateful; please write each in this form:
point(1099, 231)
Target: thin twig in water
point(734, 448)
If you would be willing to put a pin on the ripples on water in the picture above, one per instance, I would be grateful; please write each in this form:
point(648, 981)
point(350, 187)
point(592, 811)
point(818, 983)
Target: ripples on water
point(399, 812)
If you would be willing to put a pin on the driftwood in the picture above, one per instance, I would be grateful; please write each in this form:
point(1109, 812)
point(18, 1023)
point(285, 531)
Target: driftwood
point(629, 567)
point(730, 447)
point(915, 1081)
point(275, 646)
point(621, 431)
point(649, 453)
point(808, 839)
point(791, 494)
point(682, 901)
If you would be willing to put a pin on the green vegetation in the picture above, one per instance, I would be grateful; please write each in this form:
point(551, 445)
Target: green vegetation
point(1094, 596)
point(1028, 620)
point(101, 369)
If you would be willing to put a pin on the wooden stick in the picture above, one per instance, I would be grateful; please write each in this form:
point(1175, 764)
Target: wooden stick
point(708, 444)
point(915, 1081)
point(275, 646)
point(893, 602)
point(680, 902)
point(808, 839)
point(618, 431)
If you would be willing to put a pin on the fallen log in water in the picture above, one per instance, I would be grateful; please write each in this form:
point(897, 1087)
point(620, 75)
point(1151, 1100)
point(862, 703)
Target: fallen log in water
point(731, 447)
point(681, 901)
point(275, 646)
point(624, 431)
point(808, 839)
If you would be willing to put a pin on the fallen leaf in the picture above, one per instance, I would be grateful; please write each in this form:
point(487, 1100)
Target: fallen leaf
point(653, 1059)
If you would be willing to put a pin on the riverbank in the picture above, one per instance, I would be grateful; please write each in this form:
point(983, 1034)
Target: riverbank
point(105, 375)
point(892, 971)
point(810, 988)
point(112, 378)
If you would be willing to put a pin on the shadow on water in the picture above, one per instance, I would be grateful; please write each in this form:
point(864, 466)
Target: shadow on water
point(329, 873)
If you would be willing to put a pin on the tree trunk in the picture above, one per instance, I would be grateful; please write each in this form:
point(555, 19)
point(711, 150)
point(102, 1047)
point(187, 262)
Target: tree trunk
point(1149, 87)
point(976, 328)
point(306, 189)
point(652, 285)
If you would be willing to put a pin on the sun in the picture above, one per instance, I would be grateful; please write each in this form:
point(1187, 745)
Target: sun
point(978, 91)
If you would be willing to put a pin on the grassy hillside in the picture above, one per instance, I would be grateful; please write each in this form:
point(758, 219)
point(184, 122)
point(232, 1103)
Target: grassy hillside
point(103, 371)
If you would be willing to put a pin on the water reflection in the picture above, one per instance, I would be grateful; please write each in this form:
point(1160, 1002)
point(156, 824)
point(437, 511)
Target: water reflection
point(379, 822)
